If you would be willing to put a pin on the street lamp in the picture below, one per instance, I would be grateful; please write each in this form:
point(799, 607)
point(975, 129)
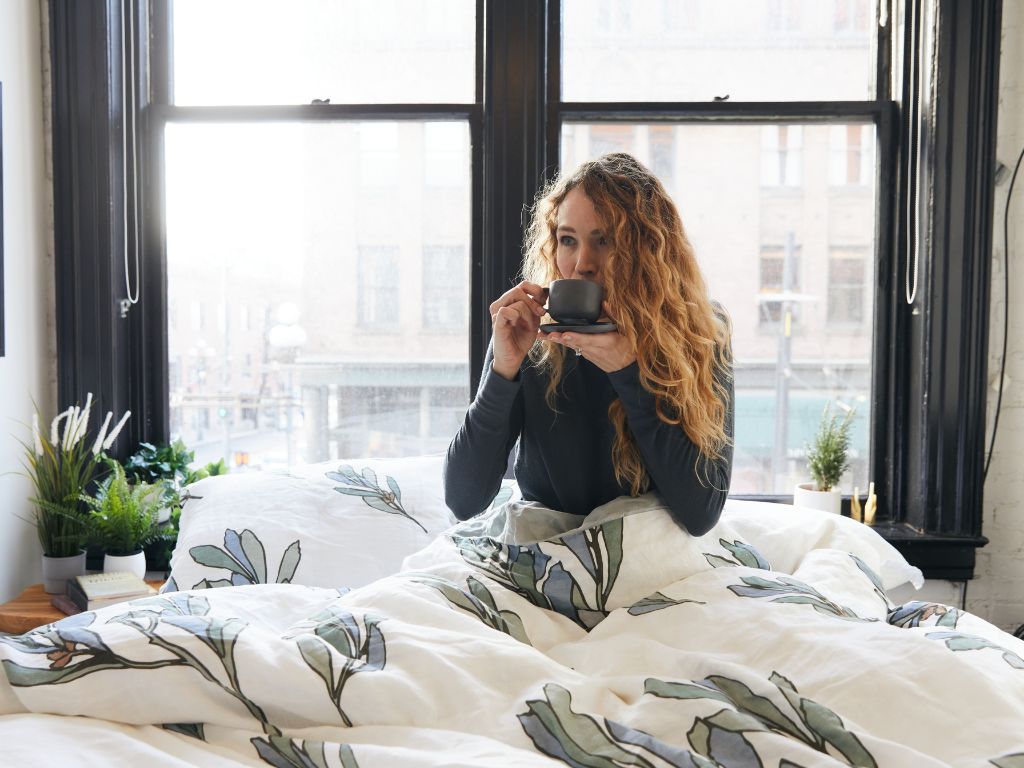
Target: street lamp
point(288, 337)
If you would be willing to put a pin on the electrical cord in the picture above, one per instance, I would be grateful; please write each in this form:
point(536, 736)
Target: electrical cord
point(1006, 312)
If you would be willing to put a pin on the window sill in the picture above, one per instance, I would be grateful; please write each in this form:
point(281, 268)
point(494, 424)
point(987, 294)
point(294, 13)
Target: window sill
point(939, 556)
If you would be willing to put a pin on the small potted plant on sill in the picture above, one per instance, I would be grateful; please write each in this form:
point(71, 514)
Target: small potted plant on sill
point(827, 459)
point(123, 518)
point(169, 465)
point(61, 469)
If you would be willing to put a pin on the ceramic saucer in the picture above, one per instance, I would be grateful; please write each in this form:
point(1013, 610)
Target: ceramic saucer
point(593, 328)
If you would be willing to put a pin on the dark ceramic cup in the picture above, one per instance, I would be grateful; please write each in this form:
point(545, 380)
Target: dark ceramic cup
point(575, 302)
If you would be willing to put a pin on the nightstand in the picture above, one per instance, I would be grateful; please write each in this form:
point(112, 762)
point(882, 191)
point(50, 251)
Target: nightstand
point(32, 608)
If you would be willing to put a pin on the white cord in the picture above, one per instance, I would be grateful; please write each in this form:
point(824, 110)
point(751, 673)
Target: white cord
point(914, 217)
point(127, 83)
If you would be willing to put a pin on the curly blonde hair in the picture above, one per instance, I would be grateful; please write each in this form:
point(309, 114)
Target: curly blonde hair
point(659, 297)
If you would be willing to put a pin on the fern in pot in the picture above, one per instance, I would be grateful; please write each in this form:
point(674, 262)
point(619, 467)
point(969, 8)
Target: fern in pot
point(828, 456)
point(123, 518)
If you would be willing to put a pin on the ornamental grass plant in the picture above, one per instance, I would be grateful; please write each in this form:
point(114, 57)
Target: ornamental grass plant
point(828, 454)
point(61, 468)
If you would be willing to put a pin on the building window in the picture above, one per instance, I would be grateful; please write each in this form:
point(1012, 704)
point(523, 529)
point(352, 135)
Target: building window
point(774, 267)
point(852, 16)
point(377, 287)
point(444, 292)
point(851, 155)
point(846, 284)
point(781, 155)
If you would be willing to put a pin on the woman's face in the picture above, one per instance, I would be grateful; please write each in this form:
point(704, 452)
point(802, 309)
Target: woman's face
point(583, 247)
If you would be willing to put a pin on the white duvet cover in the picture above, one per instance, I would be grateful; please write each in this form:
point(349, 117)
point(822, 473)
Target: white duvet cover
point(614, 641)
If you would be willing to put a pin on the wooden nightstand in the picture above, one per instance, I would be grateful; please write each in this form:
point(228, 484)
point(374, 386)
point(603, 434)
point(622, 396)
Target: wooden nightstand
point(32, 608)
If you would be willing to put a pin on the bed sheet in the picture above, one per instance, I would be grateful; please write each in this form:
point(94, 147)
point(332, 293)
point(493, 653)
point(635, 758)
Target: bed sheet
point(527, 637)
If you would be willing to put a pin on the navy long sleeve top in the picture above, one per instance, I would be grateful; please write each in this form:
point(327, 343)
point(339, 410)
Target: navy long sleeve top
point(564, 456)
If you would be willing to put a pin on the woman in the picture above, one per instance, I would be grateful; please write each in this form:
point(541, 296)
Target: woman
point(648, 407)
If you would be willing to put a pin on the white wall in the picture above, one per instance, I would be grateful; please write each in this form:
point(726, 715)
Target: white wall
point(997, 592)
point(27, 371)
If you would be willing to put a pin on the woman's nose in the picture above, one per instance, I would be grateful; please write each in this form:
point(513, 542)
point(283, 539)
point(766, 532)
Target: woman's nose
point(586, 263)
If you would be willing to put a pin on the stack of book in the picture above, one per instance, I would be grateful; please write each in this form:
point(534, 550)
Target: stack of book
point(96, 590)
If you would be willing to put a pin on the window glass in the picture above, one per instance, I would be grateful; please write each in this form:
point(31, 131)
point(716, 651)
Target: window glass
point(697, 50)
point(229, 52)
point(792, 263)
point(310, 319)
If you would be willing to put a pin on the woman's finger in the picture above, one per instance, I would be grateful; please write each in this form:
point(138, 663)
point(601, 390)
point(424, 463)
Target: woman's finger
point(529, 293)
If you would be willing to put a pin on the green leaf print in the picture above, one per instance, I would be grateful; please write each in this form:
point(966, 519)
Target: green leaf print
point(876, 582)
point(73, 649)
point(193, 730)
point(289, 563)
point(538, 572)
point(284, 752)
point(958, 641)
point(367, 486)
point(720, 738)
point(215, 557)
point(786, 713)
point(477, 601)
point(244, 556)
point(742, 554)
point(656, 602)
point(917, 613)
point(786, 589)
point(361, 649)
point(577, 740)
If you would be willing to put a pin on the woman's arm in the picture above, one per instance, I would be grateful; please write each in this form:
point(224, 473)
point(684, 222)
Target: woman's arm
point(693, 489)
point(478, 454)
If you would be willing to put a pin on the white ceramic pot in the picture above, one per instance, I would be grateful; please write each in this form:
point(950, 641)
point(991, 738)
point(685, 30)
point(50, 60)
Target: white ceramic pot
point(57, 571)
point(135, 563)
point(805, 495)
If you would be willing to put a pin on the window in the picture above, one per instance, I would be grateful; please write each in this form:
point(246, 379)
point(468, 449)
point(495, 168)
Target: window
point(377, 292)
point(852, 16)
point(302, 228)
point(851, 155)
point(818, 67)
point(445, 307)
point(846, 272)
point(780, 155)
point(780, 274)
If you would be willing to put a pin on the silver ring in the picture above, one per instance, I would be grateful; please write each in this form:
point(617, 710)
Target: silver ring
point(579, 352)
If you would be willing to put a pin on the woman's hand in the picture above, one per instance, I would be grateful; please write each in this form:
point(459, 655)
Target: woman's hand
point(515, 318)
point(608, 351)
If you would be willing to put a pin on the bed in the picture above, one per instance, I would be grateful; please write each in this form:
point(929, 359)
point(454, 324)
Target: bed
point(337, 616)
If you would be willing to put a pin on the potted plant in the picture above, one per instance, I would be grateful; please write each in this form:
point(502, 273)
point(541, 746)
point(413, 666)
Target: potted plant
point(61, 468)
point(168, 465)
point(123, 518)
point(827, 459)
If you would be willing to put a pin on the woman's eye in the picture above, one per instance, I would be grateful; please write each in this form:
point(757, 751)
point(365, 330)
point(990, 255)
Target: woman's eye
point(602, 241)
point(566, 240)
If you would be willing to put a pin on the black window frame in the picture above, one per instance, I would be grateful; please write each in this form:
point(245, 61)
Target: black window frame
point(930, 359)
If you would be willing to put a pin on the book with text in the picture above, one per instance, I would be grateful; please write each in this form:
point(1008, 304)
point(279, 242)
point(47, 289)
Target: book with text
point(96, 590)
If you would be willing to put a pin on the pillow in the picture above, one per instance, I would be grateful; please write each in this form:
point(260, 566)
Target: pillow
point(785, 534)
point(340, 523)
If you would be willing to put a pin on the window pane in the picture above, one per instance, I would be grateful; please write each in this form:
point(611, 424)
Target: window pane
point(358, 51)
point(792, 263)
point(695, 50)
point(315, 311)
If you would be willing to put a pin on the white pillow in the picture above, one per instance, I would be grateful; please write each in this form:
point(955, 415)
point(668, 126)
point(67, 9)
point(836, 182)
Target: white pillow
point(785, 534)
point(340, 523)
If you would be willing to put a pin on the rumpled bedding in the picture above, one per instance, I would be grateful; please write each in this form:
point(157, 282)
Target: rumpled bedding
point(529, 637)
